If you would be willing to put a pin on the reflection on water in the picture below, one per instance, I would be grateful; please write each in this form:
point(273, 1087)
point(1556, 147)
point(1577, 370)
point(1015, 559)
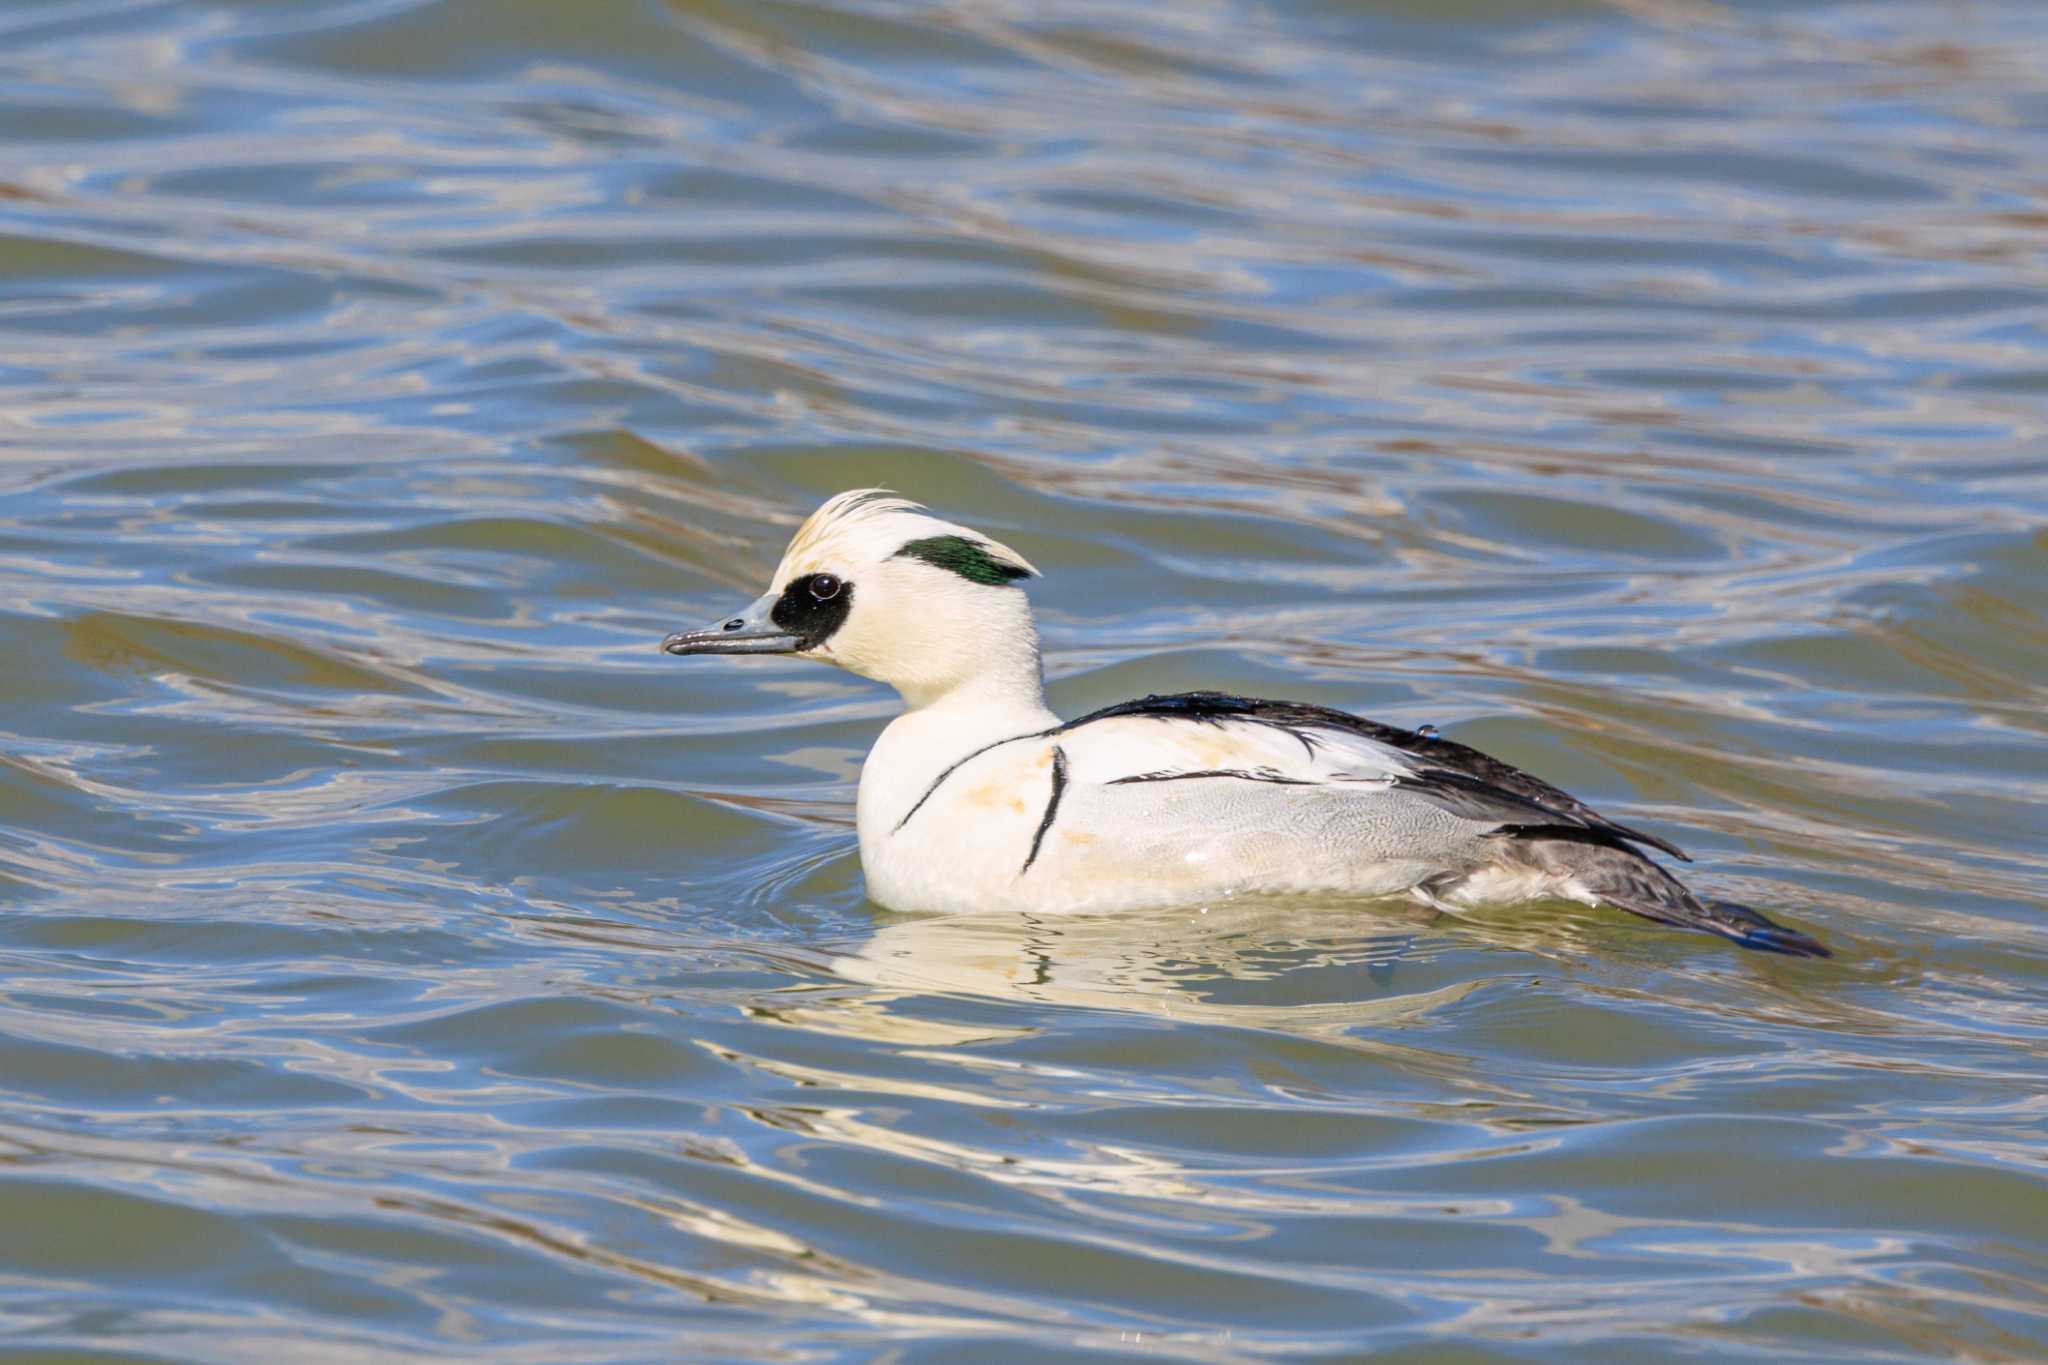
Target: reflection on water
point(400, 958)
point(1179, 964)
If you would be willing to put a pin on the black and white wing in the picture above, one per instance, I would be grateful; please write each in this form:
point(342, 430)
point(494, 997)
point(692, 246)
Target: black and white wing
point(1193, 736)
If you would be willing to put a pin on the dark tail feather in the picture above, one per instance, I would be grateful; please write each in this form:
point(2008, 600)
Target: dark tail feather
point(1626, 880)
point(1750, 929)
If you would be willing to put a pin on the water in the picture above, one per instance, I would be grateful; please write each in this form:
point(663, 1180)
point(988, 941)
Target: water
point(401, 959)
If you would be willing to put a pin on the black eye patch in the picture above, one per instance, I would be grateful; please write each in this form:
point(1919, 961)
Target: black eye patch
point(812, 607)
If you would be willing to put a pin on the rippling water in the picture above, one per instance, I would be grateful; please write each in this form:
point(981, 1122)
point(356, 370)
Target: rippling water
point(400, 958)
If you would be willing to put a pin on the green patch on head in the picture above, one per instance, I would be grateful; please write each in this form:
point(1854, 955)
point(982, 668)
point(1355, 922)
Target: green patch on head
point(969, 558)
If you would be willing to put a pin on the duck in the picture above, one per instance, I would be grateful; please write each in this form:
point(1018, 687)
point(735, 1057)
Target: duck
point(978, 797)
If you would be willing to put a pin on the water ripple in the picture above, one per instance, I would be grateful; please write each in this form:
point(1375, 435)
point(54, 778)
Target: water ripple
point(405, 960)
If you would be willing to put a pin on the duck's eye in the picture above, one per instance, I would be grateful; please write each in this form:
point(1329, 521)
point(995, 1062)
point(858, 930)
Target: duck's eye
point(812, 607)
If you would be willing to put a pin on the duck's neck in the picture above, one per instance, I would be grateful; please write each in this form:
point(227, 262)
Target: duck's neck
point(984, 712)
point(991, 705)
point(977, 665)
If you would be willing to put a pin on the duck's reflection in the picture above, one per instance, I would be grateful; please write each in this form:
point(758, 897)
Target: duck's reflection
point(1314, 969)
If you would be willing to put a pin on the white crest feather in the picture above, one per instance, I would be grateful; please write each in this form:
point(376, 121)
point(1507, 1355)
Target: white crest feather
point(867, 525)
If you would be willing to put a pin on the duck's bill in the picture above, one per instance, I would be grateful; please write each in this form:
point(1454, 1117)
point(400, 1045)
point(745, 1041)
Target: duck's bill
point(750, 632)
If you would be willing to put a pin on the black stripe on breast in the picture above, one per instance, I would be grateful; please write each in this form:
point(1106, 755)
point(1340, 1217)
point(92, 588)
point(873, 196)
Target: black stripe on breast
point(1239, 773)
point(1052, 806)
point(956, 766)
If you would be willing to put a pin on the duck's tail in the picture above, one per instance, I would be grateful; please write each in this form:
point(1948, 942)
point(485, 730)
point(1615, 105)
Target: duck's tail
point(1605, 873)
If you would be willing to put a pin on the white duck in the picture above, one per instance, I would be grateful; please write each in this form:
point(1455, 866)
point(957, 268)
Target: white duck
point(980, 798)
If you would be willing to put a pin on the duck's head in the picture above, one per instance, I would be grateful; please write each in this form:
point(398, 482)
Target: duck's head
point(881, 587)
